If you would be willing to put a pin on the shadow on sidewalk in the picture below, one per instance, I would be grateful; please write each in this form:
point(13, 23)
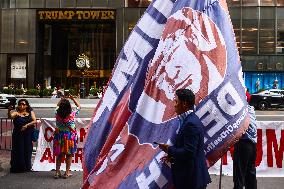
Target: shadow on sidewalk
point(35, 180)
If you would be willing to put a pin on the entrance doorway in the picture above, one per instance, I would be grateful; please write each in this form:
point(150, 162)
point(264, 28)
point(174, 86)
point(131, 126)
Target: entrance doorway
point(64, 41)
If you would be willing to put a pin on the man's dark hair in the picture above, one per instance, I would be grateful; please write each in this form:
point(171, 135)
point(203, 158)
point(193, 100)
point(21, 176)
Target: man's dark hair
point(186, 95)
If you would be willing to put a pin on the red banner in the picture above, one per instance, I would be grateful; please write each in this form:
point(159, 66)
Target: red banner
point(44, 159)
point(270, 149)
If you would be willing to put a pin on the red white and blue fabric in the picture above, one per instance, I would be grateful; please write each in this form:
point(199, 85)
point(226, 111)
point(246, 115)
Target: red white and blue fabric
point(176, 44)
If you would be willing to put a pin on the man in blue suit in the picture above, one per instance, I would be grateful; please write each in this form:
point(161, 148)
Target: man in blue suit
point(188, 163)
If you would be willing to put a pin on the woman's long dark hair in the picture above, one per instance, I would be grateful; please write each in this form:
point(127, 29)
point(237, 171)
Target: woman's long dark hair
point(64, 109)
point(28, 107)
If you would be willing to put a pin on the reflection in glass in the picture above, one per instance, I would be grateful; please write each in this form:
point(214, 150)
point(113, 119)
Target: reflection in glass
point(37, 3)
point(131, 26)
point(234, 2)
point(22, 30)
point(280, 2)
point(68, 3)
point(266, 37)
point(8, 3)
point(52, 3)
point(280, 31)
point(22, 4)
point(84, 3)
point(32, 30)
point(249, 36)
point(250, 2)
point(267, 2)
point(7, 32)
point(116, 3)
point(236, 26)
point(280, 37)
point(137, 3)
point(64, 42)
point(100, 3)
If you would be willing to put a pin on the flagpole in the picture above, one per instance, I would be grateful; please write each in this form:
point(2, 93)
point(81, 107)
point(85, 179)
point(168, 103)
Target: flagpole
point(220, 179)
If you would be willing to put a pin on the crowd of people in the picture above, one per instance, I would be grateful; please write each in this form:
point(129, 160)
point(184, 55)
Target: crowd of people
point(186, 156)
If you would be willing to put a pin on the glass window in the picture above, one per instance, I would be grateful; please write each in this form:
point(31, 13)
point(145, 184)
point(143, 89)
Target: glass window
point(267, 30)
point(22, 30)
point(266, 36)
point(52, 3)
point(236, 26)
point(233, 3)
point(250, 12)
point(131, 18)
point(7, 32)
point(235, 12)
point(0, 30)
point(280, 31)
point(3, 70)
point(120, 30)
point(116, 3)
point(32, 30)
point(267, 13)
point(249, 37)
point(280, 2)
point(96, 40)
point(37, 3)
point(31, 69)
point(67, 3)
point(8, 3)
point(249, 30)
point(250, 2)
point(22, 4)
point(137, 3)
point(267, 2)
point(84, 3)
point(100, 3)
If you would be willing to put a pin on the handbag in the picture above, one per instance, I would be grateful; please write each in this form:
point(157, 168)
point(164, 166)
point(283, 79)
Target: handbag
point(35, 134)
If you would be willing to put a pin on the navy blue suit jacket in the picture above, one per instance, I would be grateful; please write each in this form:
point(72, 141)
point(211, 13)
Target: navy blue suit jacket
point(189, 168)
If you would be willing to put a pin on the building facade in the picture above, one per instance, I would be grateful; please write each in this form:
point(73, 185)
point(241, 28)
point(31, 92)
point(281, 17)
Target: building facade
point(259, 31)
point(40, 40)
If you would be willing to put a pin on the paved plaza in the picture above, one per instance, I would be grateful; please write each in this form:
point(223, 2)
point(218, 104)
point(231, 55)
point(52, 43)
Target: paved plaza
point(45, 180)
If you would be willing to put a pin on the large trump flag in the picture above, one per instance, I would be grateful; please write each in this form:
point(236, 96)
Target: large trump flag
point(176, 44)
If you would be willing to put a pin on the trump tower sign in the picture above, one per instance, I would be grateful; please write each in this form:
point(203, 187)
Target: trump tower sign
point(176, 44)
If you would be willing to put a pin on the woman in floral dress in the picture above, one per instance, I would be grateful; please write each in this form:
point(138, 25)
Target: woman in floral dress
point(65, 135)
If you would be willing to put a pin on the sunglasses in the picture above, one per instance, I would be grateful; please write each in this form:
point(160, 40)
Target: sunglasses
point(22, 104)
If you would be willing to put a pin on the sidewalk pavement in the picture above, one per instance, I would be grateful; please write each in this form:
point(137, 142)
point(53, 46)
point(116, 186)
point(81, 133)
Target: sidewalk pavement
point(45, 180)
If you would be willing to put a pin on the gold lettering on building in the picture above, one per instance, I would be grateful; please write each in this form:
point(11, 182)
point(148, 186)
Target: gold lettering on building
point(95, 14)
point(78, 14)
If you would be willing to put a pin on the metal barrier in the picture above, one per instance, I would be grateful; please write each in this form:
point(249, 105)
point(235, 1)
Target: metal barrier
point(6, 129)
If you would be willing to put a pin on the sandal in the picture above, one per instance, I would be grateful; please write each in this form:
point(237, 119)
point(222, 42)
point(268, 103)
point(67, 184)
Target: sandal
point(57, 175)
point(65, 176)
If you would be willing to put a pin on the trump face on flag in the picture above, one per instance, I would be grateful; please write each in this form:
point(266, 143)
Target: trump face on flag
point(177, 44)
point(188, 56)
